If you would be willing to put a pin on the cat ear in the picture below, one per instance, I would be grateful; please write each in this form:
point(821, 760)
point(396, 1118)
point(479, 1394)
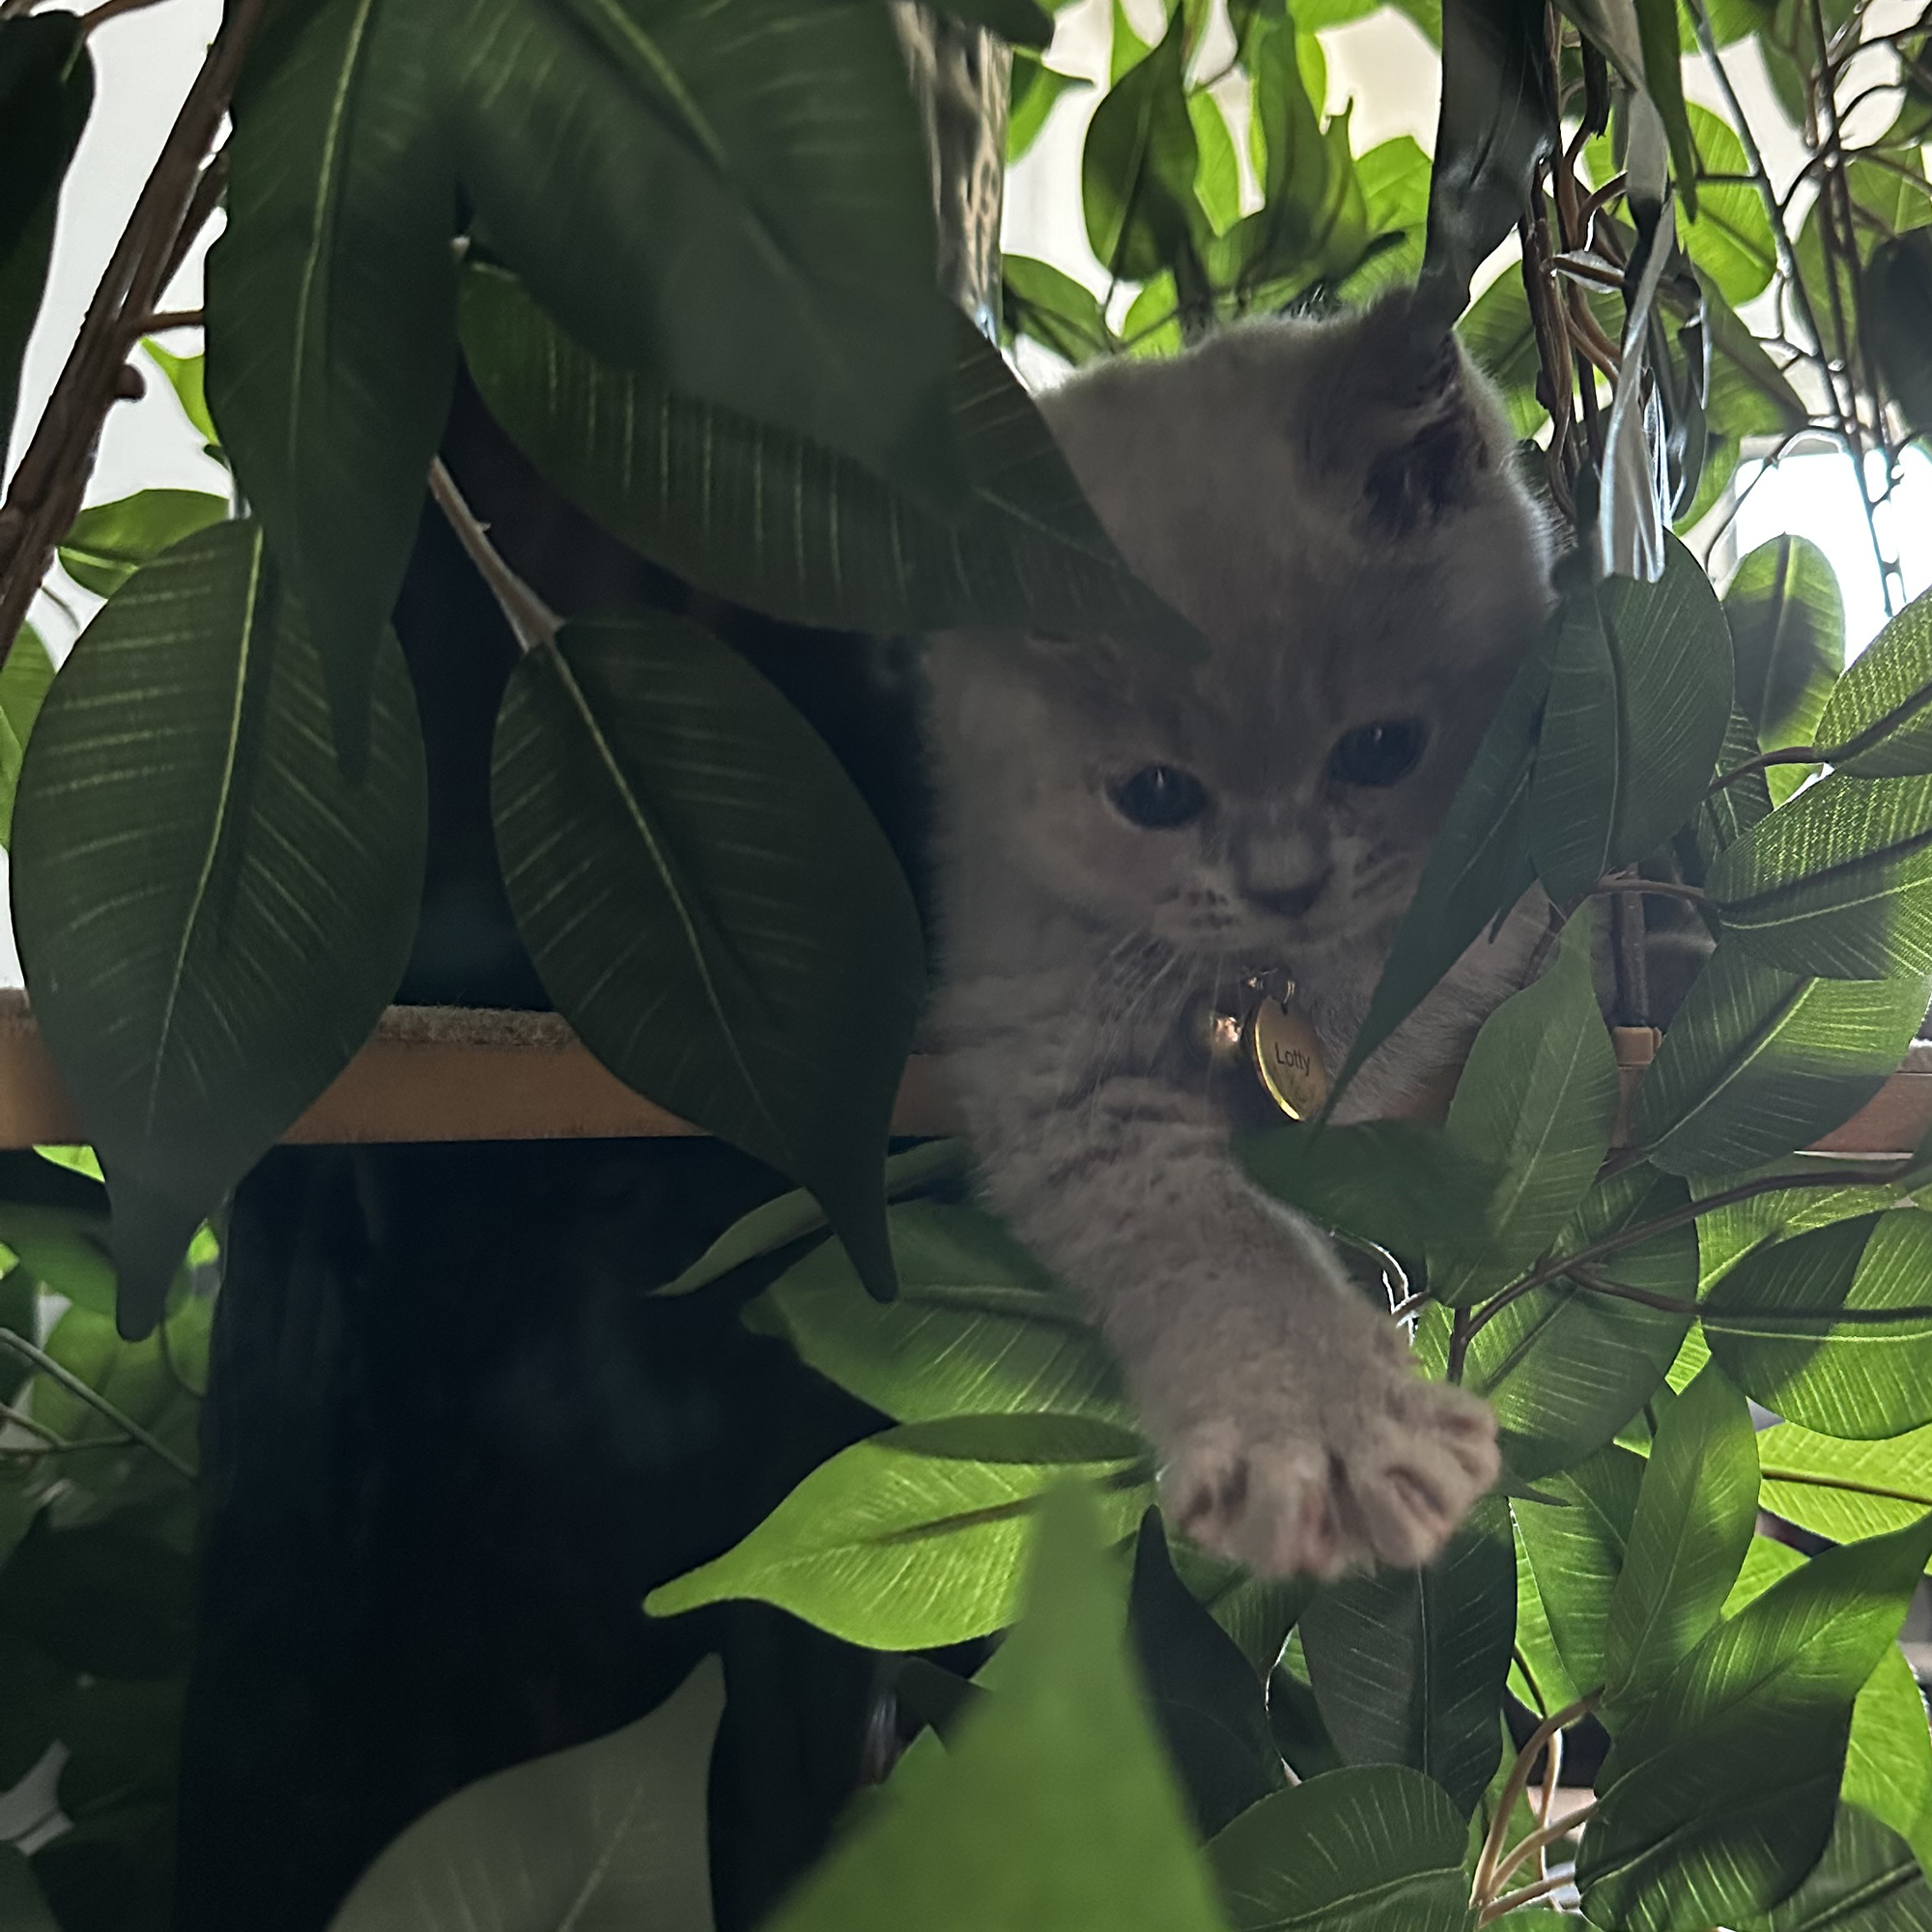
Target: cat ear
point(1419, 430)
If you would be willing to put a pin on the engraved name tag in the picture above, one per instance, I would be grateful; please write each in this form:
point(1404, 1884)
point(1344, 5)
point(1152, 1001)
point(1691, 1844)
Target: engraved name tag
point(1286, 1054)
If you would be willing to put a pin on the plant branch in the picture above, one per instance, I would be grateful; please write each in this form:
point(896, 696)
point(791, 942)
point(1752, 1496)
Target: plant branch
point(1786, 755)
point(531, 620)
point(1880, 729)
point(48, 484)
point(54, 1371)
point(1558, 1266)
point(19, 1419)
point(1644, 1297)
point(1526, 1894)
point(1787, 255)
point(1533, 1843)
point(166, 319)
point(1656, 889)
point(110, 10)
point(1516, 1783)
point(1847, 1484)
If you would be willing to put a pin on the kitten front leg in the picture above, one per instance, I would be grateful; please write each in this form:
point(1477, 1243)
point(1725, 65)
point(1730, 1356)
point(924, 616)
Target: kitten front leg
point(1296, 1433)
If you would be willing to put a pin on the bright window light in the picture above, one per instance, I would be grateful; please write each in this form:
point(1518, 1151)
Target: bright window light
point(1816, 495)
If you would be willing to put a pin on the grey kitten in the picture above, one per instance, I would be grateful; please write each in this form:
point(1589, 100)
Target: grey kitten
point(1123, 835)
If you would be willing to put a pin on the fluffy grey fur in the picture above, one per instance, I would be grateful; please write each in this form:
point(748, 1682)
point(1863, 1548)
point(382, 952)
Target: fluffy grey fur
point(1344, 528)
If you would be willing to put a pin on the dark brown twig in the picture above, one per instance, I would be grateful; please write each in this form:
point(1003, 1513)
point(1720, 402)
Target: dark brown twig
point(111, 9)
point(531, 621)
point(48, 484)
point(1547, 1272)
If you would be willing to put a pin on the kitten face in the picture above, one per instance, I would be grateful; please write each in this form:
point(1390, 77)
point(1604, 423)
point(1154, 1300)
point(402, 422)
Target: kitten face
point(1368, 576)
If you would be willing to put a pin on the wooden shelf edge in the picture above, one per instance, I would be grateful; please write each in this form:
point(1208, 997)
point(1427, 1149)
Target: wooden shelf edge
point(431, 1073)
point(459, 1073)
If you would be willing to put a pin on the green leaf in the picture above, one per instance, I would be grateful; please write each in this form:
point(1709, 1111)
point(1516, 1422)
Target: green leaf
point(1394, 176)
point(1833, 1329)
point(100, 1599)
point(1053, 1808)
point(1539, 1678)
point(1576, 1551)
point(1867, 1881)
point(906, 1541)
point(55, 1222)
point(1719, 1793)
point(736, 196)
point(1565, 1366)
point(978, 1327)
point(1041, 301)
point(1750, 394)
point(734, 938)
point(332, 319)
point(795, 529)
point(1497, 122)
point(211, 915)
point(1217, 176)
point(1639, 698)
point(1787, 624)
point(23, 1906)
point(1878, 719)
point(1844, 1490)
point(146, 1383)
point(1378, 1847)
point(46, 92)
point(1758, 1061)
point(106, 545)
point(1257, 1612)
point(1727, 1235)
point(186, 377)
point(606, 1834)
point(1478, 866)
point(1206, 1699)
point(1392, 1182)
point(1696, 1512)
point(1898, 314)
point(1408, 1666)
point(793, 1216)
point(1889, 1758)
point(1889, 197)
point(1730, 236)
point(1540, 1090)
point(1314, 222)
point(1151, 325)
point(1839, 882)
point(1663, 82)
point(1137, 170)
point(1726, 814)
point(1124, 47)
point(1036, 88)
point(25, 679)
point(1293, 163)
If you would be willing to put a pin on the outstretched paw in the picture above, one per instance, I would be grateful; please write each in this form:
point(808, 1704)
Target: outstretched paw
point(1289, 1485)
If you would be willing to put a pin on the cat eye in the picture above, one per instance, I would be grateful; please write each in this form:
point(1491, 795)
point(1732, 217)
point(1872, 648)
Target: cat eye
point(1160, 797)
point(1379, 754)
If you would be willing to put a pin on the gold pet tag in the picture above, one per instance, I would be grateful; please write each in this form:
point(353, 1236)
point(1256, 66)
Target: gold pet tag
point(1286, 1054)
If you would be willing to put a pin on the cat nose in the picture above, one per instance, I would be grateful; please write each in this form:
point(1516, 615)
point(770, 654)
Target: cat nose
point(1292, 901)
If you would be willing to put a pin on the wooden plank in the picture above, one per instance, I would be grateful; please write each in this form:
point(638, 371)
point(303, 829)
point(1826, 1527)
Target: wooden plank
point(454, 1073)
point(431, 1073)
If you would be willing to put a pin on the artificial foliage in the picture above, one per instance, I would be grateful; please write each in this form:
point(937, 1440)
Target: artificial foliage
point(685, 254)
